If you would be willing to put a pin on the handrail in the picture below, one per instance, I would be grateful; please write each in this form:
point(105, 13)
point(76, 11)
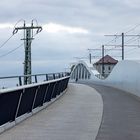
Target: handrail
point(7, 77)
point(32, 85)
point(35, 77)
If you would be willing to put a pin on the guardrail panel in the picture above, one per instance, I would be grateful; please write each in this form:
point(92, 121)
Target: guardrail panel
point(40, 95)
point(17, 102)
point(58, 89)
point(8, 106)
point(49, 92)
point(66, 83)
point(27, 101)
point(55, 90)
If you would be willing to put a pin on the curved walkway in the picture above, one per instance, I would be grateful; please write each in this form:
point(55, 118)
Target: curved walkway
point(75, 116)
point(121, 115)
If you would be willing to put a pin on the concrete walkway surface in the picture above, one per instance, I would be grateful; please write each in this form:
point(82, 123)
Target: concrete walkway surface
point(121, 115)
point(76, 115)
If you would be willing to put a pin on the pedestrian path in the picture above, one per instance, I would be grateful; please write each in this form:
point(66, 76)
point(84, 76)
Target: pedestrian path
point(76, 115)
point(121, 115)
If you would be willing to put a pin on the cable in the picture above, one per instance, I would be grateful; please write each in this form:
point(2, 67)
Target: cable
point(6, 41)
point(2, 45)
point(11, 51)
point(125, 33)
point(132, 39)
point(132, 28)
point(130, 51)
point(14, 49)
point(19, 22)
point(130, 31)
point(35, 21)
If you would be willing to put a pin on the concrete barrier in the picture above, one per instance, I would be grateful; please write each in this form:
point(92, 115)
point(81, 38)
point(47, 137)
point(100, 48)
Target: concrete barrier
point(125, 76)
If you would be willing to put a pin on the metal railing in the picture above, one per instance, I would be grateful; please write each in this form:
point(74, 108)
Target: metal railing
point(22, 100)
point(19, 80)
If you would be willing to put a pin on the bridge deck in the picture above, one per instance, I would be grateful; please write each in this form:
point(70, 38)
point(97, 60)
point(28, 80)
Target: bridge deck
point(121, 115)
point(75, 116)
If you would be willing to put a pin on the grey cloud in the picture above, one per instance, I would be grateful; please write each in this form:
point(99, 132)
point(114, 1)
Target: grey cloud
point(99, 17)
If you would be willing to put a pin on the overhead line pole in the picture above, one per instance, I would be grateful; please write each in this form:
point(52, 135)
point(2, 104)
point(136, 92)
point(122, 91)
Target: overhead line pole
point(102, 60)
point(28, 37)
point(90, 55)
point(122, 45)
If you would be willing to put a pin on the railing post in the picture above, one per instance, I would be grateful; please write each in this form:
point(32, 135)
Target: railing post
point(53, 76)
point(46, 77)
point(59, 75)
point(35, 78)
point(20, 81)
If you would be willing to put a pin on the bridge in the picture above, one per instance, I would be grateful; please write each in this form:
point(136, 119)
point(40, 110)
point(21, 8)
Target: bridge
point(82, 105)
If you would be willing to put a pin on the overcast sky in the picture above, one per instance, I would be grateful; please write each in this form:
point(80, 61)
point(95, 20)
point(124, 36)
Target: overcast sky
point(70, 27)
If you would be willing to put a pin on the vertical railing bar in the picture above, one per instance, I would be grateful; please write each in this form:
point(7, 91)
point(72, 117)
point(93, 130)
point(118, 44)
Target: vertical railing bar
point(53, 76)
point(63, 85)
point(59, 75)
point(46, 77)
point(56, 88)
point(59, 87)
point(35, 78)
point(67, 80)
point(19, 102)
point(46, 93)
point(20, 81)
point(53, 89)
point(35, 97)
